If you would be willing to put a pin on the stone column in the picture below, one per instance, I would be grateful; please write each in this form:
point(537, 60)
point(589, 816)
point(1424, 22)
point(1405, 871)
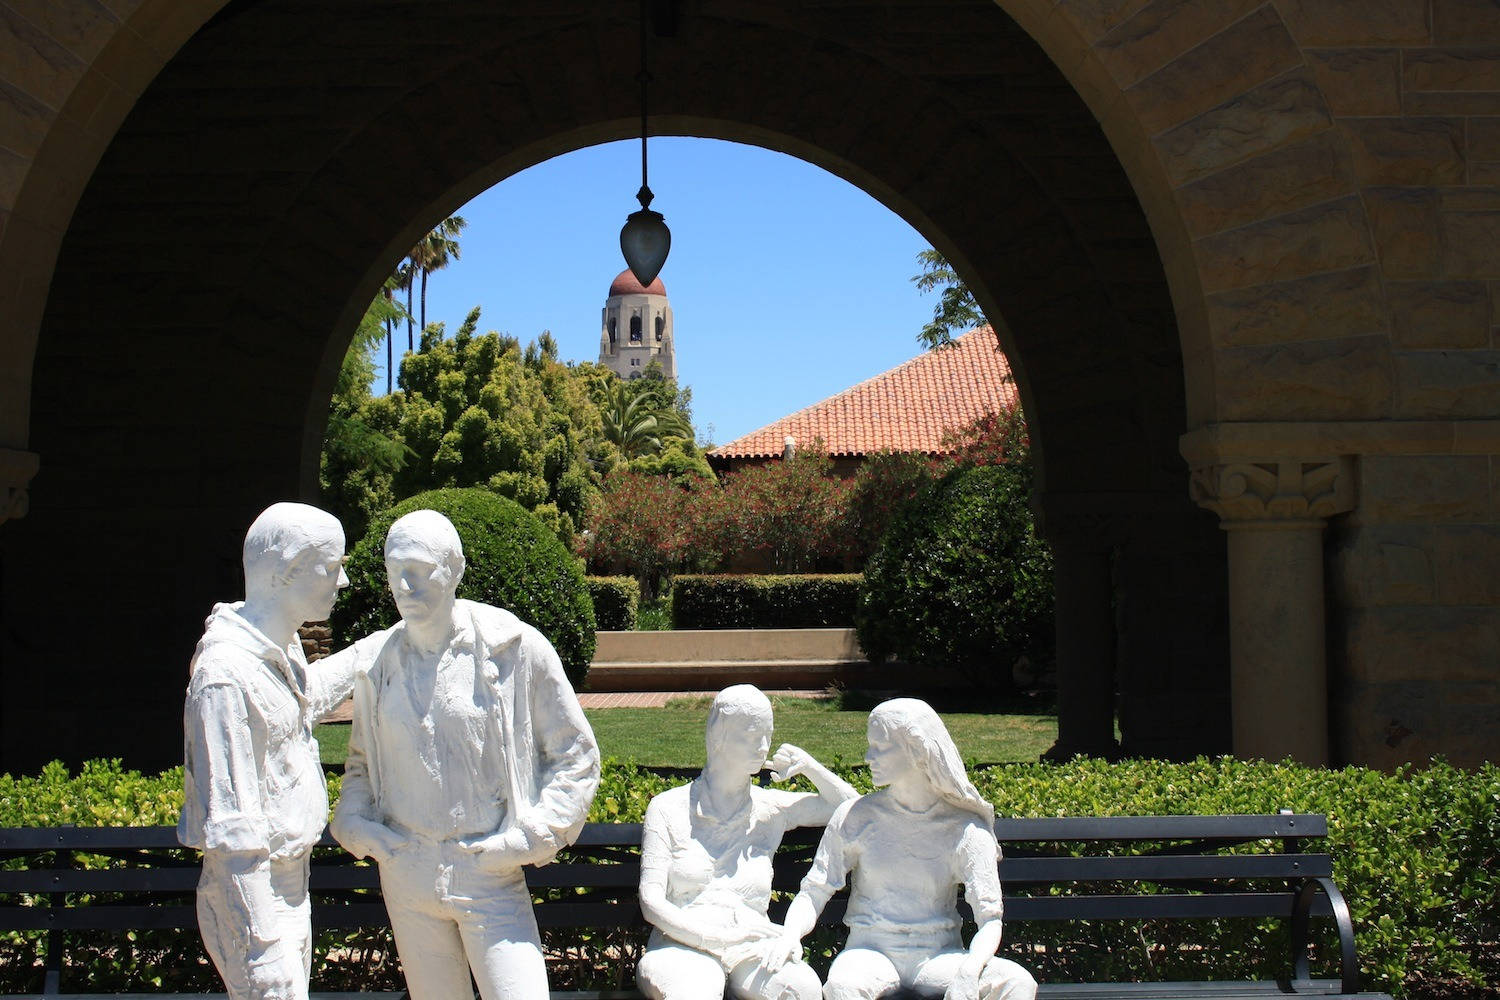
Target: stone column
point(16, 470)
point(1274, 512)
point(1082, 552)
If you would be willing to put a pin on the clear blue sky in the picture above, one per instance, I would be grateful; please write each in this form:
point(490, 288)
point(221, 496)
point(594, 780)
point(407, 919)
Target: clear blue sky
point(787, 283)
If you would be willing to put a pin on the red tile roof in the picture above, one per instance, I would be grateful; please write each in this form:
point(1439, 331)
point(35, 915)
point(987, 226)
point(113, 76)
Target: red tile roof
point(908, 408)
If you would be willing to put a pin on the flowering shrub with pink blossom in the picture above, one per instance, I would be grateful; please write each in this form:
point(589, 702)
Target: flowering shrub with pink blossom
point(793, 516)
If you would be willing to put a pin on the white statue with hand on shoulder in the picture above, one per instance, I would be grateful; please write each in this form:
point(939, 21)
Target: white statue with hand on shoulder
point(254, 797)
point(706, 854)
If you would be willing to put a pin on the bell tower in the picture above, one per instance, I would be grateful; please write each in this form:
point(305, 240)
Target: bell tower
point(637, 328)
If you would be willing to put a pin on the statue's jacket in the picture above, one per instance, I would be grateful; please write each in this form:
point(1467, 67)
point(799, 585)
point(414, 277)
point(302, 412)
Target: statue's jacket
point(252, 779)
point(552, 760)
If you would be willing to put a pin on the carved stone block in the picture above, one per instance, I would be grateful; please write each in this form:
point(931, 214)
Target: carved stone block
point(1282, 489)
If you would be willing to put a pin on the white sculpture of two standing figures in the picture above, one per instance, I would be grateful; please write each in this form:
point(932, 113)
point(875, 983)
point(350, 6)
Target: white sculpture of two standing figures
point(469, 758)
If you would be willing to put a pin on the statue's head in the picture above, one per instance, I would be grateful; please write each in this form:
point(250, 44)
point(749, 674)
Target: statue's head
point(739, 727)
point(914, 734)
point(294, 557)
point(424, 562)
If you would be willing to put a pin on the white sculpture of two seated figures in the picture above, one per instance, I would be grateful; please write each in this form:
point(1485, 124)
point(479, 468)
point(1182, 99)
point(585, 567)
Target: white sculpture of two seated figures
point(469, 758)
point(903, 849)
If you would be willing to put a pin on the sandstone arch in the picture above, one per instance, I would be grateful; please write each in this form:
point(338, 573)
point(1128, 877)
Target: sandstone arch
point(1268, 226)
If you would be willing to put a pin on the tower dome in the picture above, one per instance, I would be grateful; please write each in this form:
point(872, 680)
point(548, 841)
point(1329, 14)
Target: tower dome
point(626, 283)
point(637, 328)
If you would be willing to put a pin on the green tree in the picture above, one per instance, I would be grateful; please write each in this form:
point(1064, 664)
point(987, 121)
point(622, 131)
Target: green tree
point(793, 513)
point(630, 424)
point(361, 454)
point(476, 413)
point(961, 578)
point(956, 312)
point(668, 447)
point(471, 410)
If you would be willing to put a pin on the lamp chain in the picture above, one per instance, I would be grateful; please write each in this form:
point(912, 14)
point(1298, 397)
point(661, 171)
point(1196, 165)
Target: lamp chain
point(644, 76)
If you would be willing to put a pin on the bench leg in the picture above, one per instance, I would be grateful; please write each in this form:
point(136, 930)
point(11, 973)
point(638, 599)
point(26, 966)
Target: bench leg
point(52, 965)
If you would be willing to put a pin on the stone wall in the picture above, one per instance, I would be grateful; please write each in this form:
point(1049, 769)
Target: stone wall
point(317, 640)
point(1415, 593)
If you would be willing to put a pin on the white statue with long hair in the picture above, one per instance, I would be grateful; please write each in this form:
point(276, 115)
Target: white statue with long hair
point(469, 757)
point(905, 849)
point(706, 856)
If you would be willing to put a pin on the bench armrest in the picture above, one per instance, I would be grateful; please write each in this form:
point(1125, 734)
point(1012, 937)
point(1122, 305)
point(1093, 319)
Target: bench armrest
point(1301, 910)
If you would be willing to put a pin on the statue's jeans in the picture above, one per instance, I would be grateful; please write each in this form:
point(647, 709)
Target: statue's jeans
point(449, 915)
point(273, 964)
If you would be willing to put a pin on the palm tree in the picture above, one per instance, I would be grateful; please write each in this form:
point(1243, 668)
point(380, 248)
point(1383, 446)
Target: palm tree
point(388, 290)
point(433, 252)
point(628, 424)
point(405, 271)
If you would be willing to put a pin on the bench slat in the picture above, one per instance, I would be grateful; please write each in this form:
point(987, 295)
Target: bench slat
point(1177, 905)
point(1220, 990)
point(85, 837)
point(1162, 827)
point(1165, 868)
point(107, 917)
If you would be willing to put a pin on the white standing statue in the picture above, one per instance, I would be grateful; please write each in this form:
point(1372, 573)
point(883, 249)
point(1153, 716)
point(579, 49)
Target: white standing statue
point(706, 856)
point(907, 847)
point(469, 758)
point(254, 797)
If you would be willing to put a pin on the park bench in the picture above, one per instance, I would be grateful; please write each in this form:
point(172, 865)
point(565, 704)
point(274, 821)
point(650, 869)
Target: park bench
point(1154, 868)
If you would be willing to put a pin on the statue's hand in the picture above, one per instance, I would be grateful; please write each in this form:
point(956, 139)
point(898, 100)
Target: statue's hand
point(273, 973)
point(788, 762)
point(382, 842)
point(779, 950)
point(504, 851)
point(365, 838)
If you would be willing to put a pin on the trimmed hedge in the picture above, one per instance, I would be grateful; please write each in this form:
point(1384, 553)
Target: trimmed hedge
point(513, 561)
point(617, 602)
point(1417, 852)
point(745, 601)
point(961, 579)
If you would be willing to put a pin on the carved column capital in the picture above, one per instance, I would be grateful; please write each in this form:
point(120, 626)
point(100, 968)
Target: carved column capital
point(1281, 490)
point(16, 470)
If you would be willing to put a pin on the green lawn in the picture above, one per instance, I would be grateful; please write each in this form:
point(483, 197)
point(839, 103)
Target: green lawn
point(673, 736)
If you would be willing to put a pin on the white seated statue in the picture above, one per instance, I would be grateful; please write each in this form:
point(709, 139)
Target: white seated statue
point(469, 757)
point(905, 849)
point(706, 854)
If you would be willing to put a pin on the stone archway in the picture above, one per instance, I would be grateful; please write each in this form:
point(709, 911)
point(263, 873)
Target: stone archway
point(1266, 224)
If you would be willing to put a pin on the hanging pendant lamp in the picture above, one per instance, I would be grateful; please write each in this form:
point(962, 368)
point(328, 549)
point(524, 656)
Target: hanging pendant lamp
point(645, 239)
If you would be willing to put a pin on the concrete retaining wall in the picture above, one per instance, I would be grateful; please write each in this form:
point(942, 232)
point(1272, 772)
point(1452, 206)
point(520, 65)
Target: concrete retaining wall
point(710, 659)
